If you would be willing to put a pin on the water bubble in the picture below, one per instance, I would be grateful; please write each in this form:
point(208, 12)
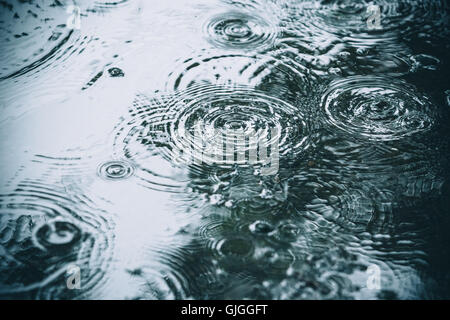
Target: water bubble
point(344, 55)
point(335, 204)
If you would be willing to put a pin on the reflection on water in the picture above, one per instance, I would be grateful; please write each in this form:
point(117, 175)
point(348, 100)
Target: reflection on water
point(94, 118)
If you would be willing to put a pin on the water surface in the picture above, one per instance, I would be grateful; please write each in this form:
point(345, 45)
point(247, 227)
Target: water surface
point(95, 108)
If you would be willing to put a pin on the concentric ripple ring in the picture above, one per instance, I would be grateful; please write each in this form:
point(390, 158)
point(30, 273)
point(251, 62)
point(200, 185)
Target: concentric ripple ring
point(376, 108)
point(193, 130)
point(220, 110)
point(114, 170)
point(238, 30)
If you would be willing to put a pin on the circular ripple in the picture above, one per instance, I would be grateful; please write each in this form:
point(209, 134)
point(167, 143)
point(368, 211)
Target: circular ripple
point(236, 30)
point(42, 232)
point(333, 200)
point(276, 73)
point(405, 168)
point(358, 184)
point(115, 170)
point(139, 138)
point(58, 234)
point(355, 21)
point(190, 130)
point(212, 114)
point(376, 108)
point(352, 209)
point(238, 247)
point(32, 33)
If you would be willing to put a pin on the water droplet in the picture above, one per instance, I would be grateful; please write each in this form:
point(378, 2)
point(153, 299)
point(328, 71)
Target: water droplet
point(45, 230)
point(115, 170)
point(42, 32)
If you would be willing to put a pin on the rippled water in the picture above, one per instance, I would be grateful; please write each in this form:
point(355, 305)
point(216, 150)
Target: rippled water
point(99, 100)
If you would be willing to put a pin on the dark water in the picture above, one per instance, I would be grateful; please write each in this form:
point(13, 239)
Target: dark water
point(93, 116)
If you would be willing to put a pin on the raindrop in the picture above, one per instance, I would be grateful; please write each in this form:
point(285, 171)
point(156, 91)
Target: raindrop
point(115, 170)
